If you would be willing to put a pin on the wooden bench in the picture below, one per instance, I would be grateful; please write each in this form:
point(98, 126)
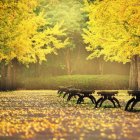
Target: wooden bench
point(81, 94)
point(63, 89)
point(134, 100)
point(107, 95)
point(72, 92)
point(86, 94)
point(68, 91)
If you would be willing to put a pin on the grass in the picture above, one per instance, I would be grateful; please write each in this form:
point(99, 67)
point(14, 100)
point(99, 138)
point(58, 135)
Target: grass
point(43, 115)
point(78, 81)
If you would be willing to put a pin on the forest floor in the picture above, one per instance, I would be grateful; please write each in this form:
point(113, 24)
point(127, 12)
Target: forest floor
point(43, 115)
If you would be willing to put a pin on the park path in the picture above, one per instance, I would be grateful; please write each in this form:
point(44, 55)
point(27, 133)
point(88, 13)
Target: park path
point(42, 115)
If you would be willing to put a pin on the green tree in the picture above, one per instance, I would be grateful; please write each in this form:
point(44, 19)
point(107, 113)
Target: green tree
point(68, 11)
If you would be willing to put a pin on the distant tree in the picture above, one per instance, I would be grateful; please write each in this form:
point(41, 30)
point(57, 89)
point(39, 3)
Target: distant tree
point(68, 11)
point(115, 26)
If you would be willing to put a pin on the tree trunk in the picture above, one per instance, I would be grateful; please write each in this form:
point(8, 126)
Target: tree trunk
point(8, 75)
point(134, 81)
point(76, 59)
point(68, 62)
point(3, 76)
point(9, 81)
point(14, 74)
point(37, 69)
point(101, 66)
point(138, 73)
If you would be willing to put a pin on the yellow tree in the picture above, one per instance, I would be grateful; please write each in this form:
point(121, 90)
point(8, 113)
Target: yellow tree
point(114, 33)
point(26, 35)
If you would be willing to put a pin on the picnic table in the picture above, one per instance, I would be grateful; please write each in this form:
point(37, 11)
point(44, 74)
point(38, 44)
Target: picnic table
point(134, 100)
point(107, 95)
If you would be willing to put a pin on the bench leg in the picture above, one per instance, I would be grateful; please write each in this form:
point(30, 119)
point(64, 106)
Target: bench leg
point(92, 99)
point(110, 99)
point(60, 91)
point(80, 99)
point(129, 102)
point(98, 101)
point(102, 101)
point(117, 101)
point(134, 103)
point(69, 97)
point(65, 94)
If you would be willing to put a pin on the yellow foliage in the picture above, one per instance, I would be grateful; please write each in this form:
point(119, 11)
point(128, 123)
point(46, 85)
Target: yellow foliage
point(115, 26)
point(25, 35)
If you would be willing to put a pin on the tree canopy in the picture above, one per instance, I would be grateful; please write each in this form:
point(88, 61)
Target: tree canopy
point(25, 34)
point(113, 29)
point(64, 10)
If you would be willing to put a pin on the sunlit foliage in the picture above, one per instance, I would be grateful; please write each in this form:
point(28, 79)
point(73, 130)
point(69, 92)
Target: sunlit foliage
point(64, 10)
point(113, 29)
point(68, 11)
point(25, 34)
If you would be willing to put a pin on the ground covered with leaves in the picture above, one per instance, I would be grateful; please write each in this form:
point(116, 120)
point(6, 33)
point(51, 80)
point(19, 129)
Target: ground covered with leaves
point(43, 115)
